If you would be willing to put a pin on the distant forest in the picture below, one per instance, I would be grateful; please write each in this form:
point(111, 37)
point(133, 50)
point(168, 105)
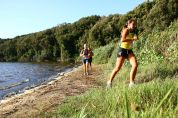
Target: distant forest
point(65, 41)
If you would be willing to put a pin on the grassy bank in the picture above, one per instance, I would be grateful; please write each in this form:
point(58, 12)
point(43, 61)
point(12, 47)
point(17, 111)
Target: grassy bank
point(155, 94)
point(156, 99)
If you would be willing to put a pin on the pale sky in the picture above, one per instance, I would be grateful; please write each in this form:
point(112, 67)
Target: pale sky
point(20, 17)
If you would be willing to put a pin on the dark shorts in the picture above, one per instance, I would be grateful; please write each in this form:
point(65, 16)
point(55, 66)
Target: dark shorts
point(84, 61)
point(124, 52)
point(90, 60)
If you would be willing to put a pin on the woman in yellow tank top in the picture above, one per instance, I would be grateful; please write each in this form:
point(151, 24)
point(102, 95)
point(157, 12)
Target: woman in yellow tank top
point(128, 36)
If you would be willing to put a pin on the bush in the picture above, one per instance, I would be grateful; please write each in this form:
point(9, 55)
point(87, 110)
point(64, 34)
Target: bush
point(102, 54)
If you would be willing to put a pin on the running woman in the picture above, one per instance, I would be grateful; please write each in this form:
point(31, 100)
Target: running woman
point(128, 36)
point(84, 54)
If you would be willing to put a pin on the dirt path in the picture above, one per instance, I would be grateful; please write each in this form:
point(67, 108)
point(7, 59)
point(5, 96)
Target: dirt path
point(45, 97)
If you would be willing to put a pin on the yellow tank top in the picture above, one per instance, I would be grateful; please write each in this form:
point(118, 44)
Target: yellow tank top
point(127, 45)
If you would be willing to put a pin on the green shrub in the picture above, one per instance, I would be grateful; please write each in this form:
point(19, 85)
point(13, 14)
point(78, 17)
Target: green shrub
point(102, 54)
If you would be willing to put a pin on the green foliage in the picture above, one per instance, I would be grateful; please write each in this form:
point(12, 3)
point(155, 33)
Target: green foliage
point(142, 101)
point(64, 41)
point(161, 15)
point(155, 93)
point(58, 43)
point(104, 31)
point(102, 54)
point(140, 14)
point(158, 46)
point(172, 52)
point(69, 36)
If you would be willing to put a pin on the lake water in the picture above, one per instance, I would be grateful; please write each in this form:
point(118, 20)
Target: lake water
point(18, 77)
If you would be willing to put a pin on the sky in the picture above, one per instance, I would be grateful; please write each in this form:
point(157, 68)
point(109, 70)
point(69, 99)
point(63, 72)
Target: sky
point(19, 17)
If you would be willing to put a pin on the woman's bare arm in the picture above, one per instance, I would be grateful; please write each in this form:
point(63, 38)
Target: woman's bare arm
point(124, 37)
point(81, 54)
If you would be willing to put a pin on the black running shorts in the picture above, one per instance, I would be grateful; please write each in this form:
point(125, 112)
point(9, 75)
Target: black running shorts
point(124, 52)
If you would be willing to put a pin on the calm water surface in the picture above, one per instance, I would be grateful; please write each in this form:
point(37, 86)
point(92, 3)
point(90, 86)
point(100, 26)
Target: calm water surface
point(17, 77)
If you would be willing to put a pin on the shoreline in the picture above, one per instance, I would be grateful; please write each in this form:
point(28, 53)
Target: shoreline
point(45, 98)
point(32, 89)
point(60, 73)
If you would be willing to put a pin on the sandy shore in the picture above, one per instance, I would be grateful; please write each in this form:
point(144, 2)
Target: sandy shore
point(45, 98)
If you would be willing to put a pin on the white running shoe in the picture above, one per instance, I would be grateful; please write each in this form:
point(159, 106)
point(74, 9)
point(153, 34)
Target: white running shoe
point(131, 84)
point(109, 84)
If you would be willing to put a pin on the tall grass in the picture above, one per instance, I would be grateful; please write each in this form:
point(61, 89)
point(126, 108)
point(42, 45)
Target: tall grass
point(155, 97)
point(156, 92)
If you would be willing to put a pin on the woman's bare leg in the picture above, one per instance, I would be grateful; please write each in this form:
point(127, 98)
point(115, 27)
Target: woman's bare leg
point(90, 67)
point(134, 64)
point(84, 68)
point(119, 63)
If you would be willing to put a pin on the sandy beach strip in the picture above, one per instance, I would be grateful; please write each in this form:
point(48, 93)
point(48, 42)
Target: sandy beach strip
point(46, 97)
